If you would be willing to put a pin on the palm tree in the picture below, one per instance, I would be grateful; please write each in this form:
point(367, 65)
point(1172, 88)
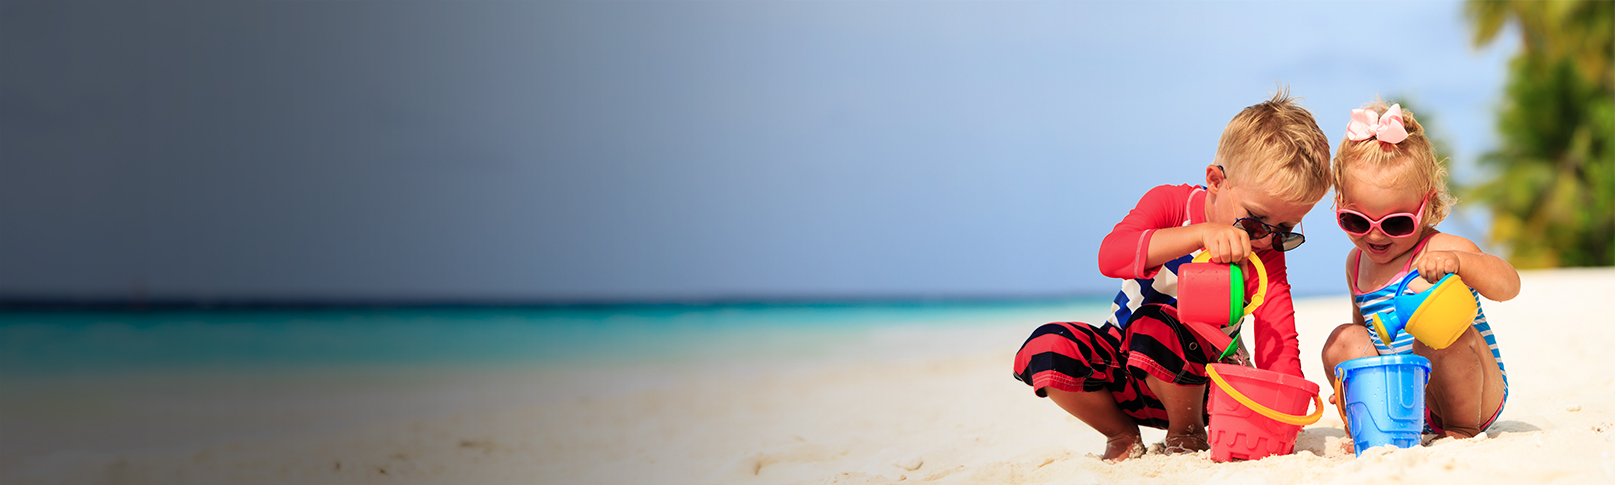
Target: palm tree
point(1552, 196)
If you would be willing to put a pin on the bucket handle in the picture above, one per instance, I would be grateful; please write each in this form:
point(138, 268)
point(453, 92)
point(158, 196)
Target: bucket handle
point(1340, 402)
point(1264, 410)
point(1412, 275)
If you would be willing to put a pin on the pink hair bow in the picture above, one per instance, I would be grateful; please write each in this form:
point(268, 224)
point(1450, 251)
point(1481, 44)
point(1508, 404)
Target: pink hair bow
point(1365, 124)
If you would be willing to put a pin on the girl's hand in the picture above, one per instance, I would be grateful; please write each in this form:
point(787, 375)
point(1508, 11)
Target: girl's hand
point(1224, 242)
point(1436, 264)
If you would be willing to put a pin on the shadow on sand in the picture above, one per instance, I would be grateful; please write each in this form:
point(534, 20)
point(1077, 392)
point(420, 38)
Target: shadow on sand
point(1511, 426)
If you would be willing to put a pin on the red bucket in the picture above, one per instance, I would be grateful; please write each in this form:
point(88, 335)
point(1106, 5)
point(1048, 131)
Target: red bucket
point(1257, 413)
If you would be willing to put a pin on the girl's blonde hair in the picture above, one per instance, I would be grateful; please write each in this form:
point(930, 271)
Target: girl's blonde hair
point(1277, 145)
point(1420, 169)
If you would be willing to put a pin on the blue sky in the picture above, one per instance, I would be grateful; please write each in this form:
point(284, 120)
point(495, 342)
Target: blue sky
point(626, 151)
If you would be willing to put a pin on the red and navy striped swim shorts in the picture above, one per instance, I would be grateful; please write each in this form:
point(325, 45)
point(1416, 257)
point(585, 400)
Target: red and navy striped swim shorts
point(1078, 357)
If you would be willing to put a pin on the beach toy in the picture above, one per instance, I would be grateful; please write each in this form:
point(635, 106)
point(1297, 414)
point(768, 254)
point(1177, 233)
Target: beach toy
point(1215, 293)
point(1256, 413)
point(1212, 296)
point(1381, 399)
point(1436, 316)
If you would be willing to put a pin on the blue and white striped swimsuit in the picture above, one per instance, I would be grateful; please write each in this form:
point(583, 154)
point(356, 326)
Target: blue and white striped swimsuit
point(1379, 300)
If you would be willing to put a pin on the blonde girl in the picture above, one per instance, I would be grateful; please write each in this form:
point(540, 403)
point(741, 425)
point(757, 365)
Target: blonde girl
point(1390, 195)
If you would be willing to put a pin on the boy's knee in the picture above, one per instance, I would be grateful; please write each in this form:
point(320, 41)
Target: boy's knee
point(1156, 319)
point(1148, 326)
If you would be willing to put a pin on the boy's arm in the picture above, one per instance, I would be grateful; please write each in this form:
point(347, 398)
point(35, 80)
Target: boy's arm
point(1125, 252)
point(1172, 243)
point(1489, 275)
point(1151, 235)
point(1276, 345)
point(1224, 242)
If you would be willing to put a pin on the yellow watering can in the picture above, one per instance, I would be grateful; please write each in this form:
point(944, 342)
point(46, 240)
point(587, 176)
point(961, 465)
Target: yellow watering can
point(1436, 316)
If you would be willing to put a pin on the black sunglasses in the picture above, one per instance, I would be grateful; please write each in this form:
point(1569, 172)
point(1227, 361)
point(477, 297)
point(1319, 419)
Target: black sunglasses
point(1282, 240)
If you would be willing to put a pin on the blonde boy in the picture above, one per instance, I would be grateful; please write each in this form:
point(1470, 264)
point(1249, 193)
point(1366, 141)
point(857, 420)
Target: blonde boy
point(1143, 366)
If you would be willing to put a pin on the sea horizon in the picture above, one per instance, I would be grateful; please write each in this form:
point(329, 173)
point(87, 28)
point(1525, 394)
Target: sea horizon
point(58, 338)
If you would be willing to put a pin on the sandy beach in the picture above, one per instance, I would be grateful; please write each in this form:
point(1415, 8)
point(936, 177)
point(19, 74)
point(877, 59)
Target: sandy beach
point(905, 405)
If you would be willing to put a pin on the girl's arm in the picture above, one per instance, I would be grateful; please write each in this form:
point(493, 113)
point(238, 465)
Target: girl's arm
point(1489, 275)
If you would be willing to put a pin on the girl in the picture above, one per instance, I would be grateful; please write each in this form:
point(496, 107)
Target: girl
point(1390, 194)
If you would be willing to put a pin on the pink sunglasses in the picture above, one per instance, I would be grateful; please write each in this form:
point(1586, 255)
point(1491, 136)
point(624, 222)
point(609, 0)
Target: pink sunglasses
point(1398, 225)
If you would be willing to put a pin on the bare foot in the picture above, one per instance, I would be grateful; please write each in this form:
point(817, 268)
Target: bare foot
point(1177, 444)
point(1124, 447)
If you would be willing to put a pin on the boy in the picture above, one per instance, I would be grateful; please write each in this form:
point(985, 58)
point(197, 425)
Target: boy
point(1143, 366)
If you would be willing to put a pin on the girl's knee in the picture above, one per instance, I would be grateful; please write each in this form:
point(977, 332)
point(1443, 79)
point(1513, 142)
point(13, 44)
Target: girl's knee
point(1348, 331)
point(1347, 339)
point(1468, 343)
point(1345, 343)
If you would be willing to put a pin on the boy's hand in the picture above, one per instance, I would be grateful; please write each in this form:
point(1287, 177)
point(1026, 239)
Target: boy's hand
point(1436, 264)
point(1224, 242)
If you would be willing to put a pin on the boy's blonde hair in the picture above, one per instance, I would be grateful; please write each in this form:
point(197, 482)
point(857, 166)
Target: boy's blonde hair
point(1420, 169)
point(1277, 145)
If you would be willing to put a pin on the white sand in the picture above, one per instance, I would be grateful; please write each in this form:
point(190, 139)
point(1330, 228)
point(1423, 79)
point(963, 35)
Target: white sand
point(903, 406)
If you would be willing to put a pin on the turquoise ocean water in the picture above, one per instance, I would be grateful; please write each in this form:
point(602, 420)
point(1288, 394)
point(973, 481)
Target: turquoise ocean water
point(116, 381)
point(98, 342)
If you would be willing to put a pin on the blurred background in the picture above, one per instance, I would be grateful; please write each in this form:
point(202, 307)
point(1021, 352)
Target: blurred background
point(670, 151)
point(234, 219)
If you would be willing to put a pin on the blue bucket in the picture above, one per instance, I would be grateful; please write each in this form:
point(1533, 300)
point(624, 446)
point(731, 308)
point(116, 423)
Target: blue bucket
point(1383, 399)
